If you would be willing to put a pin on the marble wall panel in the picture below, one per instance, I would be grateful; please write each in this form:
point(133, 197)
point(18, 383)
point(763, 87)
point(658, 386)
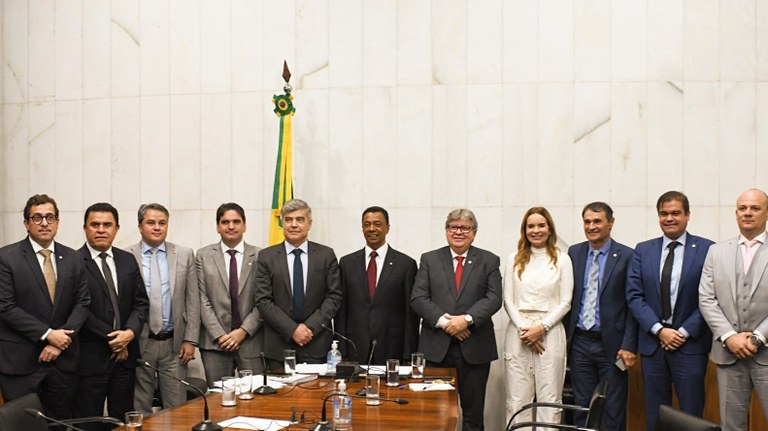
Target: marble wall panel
point(97, 154)
point(761, 41)
point(629, 40)
point(701, 29)
point(701, 137)
point(312, 43)
point(555, 41)
point(629, 137)
point(737, 40)
point(592, 143)
point(124, 51)
point(97, 44)
point(520, 152)
point(42, 50)
point(665, 40)
point(413, 175)
point(664, 153)
point(215, 46)
point(186, 164)
point(414, 42)
point(737, 140)
point(449, 42)
point(761, 135)
point(484, 143)
point(247, 45)
point(484, 41)
point(521, 41)
point(16, 52)
point(379, 43)
point(155, 149)
point(69, 50)
point(345, 109)
point(125, 150)
point(450, 153)
point(379, 142)
point(252, 171)
point(216, 150)
point(555, 144)
point(592, 40)
point(279, 42)
point(154, 51)
point(185, 46)
point(345, 43)
point(68, 175)
point(311, 149)
point(42, 147)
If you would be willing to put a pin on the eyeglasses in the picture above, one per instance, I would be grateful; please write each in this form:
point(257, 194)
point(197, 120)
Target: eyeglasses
point(462, 229)
point(38, 219)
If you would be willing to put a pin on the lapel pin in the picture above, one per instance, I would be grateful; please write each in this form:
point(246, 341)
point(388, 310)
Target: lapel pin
point(469, 262)
point(390, 263)
point(693, 245)
point(61, 257)
point(615, 254)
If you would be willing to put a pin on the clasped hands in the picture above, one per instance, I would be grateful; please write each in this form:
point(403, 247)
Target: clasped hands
point(671, 339)
point(740, 346)
point(58, 340)
point(533, 337)
point(119, 343)
point(231, 341)
point(457, 327)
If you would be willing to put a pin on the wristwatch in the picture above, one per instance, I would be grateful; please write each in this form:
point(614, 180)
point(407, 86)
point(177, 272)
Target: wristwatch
point(469, 319)
point(755, 340)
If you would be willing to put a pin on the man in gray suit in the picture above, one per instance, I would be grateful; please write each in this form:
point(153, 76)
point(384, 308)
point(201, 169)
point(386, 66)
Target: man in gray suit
point(167, 342)
point(298, 290)
point(232, 334)
point(733, 298)
point(456, 292)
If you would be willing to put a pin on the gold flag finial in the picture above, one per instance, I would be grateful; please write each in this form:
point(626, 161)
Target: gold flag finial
point(287, 77)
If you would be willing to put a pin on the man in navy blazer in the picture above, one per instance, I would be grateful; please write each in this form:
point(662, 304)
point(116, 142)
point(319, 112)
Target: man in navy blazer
point(116, 316)
point(41, 312)
point(602, 334)
point(663, 295)
point(376, 301)
point(456, 292)
point(297, 290)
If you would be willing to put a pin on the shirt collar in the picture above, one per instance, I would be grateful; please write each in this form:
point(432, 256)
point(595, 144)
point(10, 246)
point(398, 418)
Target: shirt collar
point(381, 251)
point(760, 238)
point(146, 248)
point(665, 240)
point(95, 253)
point(240, 248)
point(604, 248)
point(453, 253)
point(37, 247)
point(304, 246)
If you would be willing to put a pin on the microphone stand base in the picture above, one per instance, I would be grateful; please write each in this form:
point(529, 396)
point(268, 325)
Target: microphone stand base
point(265, 390)
point(323, 426)
point(207, 425)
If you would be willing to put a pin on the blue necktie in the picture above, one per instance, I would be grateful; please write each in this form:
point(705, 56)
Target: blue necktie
point(590, 295)
point(298, 286)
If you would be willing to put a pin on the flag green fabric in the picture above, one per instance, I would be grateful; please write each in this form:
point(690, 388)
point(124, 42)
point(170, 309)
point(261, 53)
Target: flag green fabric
point(283, 189)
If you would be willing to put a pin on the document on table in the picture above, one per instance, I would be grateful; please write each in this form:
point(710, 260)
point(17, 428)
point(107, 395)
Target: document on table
point(431, 387)
point(249, 423)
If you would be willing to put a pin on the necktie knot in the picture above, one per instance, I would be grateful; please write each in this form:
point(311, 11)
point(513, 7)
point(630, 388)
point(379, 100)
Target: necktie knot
point(296, 252)
point(232, 252)
point(46, 253)
point(374, 254)
point(460, 259)
point(750, 243)
point(596, 254)
point(103, 255)
point(672, 245)
point(154, 250)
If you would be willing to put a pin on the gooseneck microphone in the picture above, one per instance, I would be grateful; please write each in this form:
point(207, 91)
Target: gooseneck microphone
point(206, 424)
point(361, 391)
point(264, 389)
point(346, 369)
point(38, 414)
point(323, 425)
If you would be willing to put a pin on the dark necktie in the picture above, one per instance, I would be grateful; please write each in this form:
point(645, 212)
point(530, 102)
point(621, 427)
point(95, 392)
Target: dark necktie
point(459, 271)
point(111, 288)
point(234, 288)
point(298, 286)
point(372, 275)
point(666, 282)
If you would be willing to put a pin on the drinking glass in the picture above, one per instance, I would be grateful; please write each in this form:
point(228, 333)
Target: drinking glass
point(228, 384)
point(393, 372)
point(289, 363)
point(417, 365)
point(372, 390)
point(245, 384)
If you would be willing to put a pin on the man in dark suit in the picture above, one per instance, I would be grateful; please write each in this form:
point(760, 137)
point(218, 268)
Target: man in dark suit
point(297, 290)
point(663, 296)
point(376, 285)
point(601, 332)
point(118, 310)
point(456, 292)
point(231, 335)
point(43, 305)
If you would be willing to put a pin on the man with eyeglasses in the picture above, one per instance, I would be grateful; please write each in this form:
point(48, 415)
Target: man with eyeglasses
point(43, 305)
point(456, 292)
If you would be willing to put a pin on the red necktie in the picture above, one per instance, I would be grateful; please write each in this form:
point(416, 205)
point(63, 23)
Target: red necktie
point(459, 271)
point(372, 275)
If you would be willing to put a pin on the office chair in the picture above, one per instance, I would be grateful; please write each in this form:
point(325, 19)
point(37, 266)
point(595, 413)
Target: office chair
point(13, 416)
point(594, 420)
point(672, 419)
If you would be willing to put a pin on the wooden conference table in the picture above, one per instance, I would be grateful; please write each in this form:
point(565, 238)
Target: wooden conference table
point(432, 410)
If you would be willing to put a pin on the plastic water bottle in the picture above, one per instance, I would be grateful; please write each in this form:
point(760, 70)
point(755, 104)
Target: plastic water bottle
point(342, 408)
point(334, 357)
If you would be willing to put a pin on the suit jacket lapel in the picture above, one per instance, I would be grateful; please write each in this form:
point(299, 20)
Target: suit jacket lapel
point(691, 249)
point(31, 258)
point(249, 256)
point(610, 264)
point(218, 260)
point(93, 267)
point(654, 262)
point(759, 262)
point(447, 263)
point(360, 272)
point(172, 257)
point(579, 262)
point(282, 267)
point(731, 256)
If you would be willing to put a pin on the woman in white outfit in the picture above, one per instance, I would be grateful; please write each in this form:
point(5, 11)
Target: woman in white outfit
point(538, 285)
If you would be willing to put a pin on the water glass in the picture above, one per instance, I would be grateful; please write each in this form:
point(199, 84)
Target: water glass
point(417, 365)
point(289, 363)
point(393, 372)
point(372, 390)
point(244, 384)
point(228, 385)
point(134, 420)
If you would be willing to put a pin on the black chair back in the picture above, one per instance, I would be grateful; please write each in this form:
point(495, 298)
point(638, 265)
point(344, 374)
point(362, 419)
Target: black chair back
point(13, 416)
point(672, 419)
point(597, 407)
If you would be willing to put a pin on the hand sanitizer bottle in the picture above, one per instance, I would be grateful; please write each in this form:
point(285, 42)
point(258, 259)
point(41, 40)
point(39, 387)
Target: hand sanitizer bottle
point(334, 357)
point(342, 408)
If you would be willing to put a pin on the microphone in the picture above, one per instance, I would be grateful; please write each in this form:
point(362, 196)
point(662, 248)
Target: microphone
point(347, 369)
point(206, 424)
point(323, 425)
point(38, 414)
point(361, 391)
point(264, 389)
